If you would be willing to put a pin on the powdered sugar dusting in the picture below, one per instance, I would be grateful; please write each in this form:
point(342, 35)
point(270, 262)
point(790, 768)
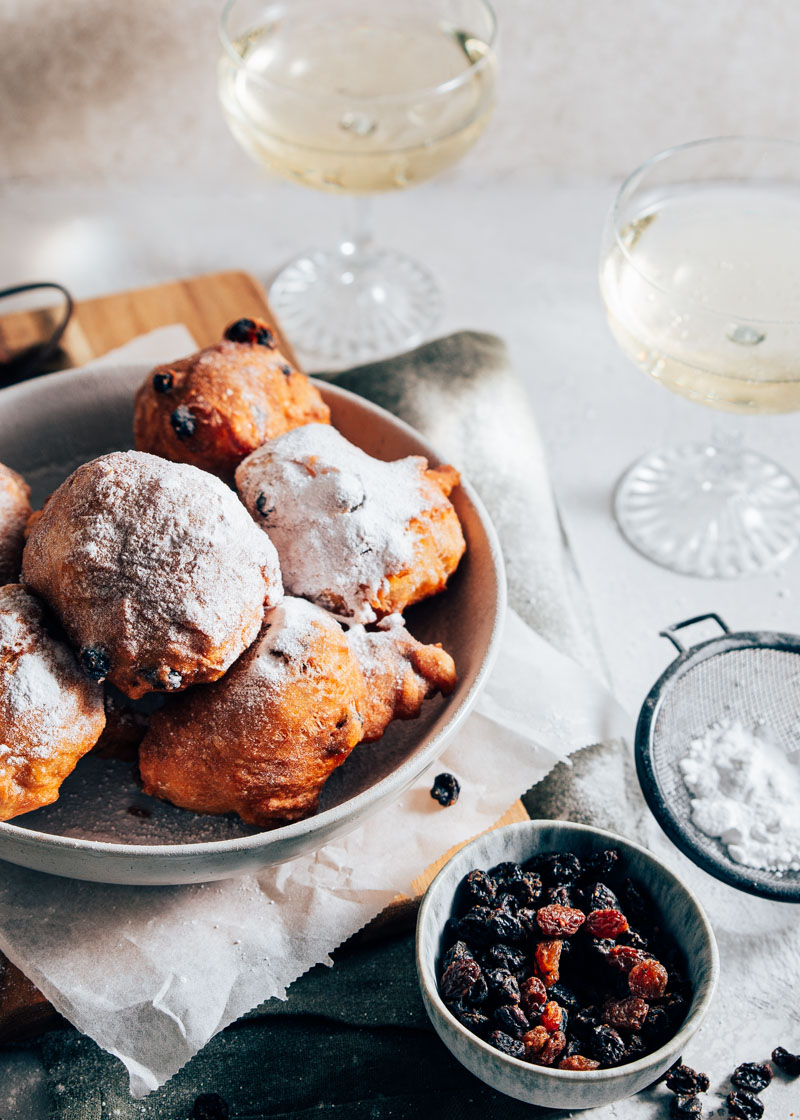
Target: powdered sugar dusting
point(338, 518)
point(287, 633)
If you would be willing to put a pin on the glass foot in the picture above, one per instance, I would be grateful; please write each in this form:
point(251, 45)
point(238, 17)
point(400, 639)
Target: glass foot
point(719, 513)
point(340, 310)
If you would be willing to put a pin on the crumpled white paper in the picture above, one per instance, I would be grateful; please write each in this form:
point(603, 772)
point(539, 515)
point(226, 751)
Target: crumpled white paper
point(152, 973)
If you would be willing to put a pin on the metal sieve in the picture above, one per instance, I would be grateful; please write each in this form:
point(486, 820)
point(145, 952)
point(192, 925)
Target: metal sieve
point(751, 676)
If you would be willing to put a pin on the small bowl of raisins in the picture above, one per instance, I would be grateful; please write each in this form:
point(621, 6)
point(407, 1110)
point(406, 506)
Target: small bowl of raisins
point(563, 965)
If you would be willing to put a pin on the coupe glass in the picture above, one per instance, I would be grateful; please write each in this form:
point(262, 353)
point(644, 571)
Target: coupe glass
point(356, 97)
point(700, 273)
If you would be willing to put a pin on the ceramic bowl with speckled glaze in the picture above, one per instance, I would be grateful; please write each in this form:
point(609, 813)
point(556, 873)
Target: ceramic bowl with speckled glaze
point(102, 827)
point(681, 916)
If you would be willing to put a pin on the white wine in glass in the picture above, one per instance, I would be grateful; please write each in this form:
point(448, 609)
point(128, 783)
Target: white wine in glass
point(700, 273)
point(356, 97)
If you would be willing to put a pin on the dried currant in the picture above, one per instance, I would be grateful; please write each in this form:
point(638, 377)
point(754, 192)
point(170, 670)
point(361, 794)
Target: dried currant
point(679, 1107)
point(508, 874)
point(480, 887)
point(183, 422)
point(560, 868)
point(601, 864)
point(553, 1017)
point(546, 959)
point(787, 1061)
point(286, 369)
point(162, 381)
point(456, 952)
point(559, 921)
point(263, 507)
point(533, 994)
point(648, 979)
point(636, 1048)
point(474, 925)
point(601, 897)
point(505, 956)
point(506, 1044)
point(564, 996)
point(578, 1062)
point(635, 904)
point(747, 1106)
point(512, 1019)
point(474, 1020)
point(210, 1106)
point(657, 1027)
point(606, 1045)
point(676, 1007)
point(606, 923)
point(627, 1014)
point(96, 662)
point(503, 985)
point(505, 927)
point(462, 981)
point(528, 889)
point(686, 1081)
point(752, 1077)
point(565, 896)
point(247, 330)
point(583, 1021)
point(445, 789)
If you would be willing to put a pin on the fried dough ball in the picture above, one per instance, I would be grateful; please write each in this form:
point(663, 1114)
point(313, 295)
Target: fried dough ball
point(218, 405)
point(262, 741)
point(400, 673)
point(15, 509)
point(154, 570)
point(50, 714)
point(360, 537)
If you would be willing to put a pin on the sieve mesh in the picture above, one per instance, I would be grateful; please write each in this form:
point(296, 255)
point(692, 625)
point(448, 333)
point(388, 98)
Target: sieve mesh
point(756, 685)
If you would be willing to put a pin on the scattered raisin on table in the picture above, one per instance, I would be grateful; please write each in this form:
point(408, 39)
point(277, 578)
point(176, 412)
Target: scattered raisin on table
point(445, 789)
point(648, 979)
point(686, 1081)
point(680, 1107)
point(559, 921)
point(210, 1106)
point(606, 923)
point(747, 1106)
point(786, 1061)
point(752, 1077)
point(578, 1062)
point(506, 1044)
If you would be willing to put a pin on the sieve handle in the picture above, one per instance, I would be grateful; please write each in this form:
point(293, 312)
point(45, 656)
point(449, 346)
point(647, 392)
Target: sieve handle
point(669, 632)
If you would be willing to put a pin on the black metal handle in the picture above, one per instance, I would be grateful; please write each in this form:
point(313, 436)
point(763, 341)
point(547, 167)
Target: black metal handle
point(29, 362)
point(669, 632)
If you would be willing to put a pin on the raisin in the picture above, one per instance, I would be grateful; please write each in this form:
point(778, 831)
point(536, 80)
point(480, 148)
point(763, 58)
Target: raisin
point(480, 887)
point(633, 940)
point(503, 985)
point(96, 662)
point(602, 863)
point(456, 952)
point(551, 1049)
point(606, 1045)
point(445, 789)
point(585, 1020)
point(565, 997)
point(635, 905)
point(553, 1016)
point(560, 868)
point(532, 994)
point(512, 1020)
point(578, 1062)
point(752, 1077)
point(474, 925)
point(601, 897)
point(565, 896)
point(685, 1106)
point(504, 956)
point(506, 1044)
point(183, 422)
point(508, 874)
point(505, 927)
point(628, 1014)
point(558, 921)
point(635, 1049)
point(573, 1047)
point(463, 981)
point(606, 923)
point(786, 1061)
point(648, 979)
point(547, 956)
point(534, 1041)
point(745, 1105)
point(528, 889)
point(657, 1027)
point(247, 330)
point(676, 1007)
point(473, 1020)
point(262, 507)
point(625, 958)
point(210, 1106)
point(686, 1081)
point(507, 901)
point(601, 947)
point(162, 381)
point(286, 369)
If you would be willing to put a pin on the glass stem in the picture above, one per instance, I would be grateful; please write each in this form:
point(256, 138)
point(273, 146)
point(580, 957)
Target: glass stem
point(357, 242)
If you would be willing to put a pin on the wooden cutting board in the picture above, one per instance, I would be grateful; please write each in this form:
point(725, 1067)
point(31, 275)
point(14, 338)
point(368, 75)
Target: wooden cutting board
point(205, 304)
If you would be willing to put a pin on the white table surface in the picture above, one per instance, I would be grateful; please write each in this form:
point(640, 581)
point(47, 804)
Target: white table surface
point(519, 260)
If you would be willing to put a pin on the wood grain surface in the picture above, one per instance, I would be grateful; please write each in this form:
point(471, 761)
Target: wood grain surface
point(205, 304)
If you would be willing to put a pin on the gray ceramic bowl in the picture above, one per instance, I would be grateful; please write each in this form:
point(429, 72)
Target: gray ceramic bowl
point(51, 425)
point(682, 917)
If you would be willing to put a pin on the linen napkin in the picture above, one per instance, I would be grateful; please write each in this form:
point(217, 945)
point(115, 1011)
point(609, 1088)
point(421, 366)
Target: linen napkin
point(151, 974)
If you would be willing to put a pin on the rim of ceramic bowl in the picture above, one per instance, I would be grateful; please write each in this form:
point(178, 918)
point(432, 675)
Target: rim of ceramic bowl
point(393, 784)
point(675, 1043)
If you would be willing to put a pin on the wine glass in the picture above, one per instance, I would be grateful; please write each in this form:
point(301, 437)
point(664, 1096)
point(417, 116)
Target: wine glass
point(356, 97)
point(700, 274)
